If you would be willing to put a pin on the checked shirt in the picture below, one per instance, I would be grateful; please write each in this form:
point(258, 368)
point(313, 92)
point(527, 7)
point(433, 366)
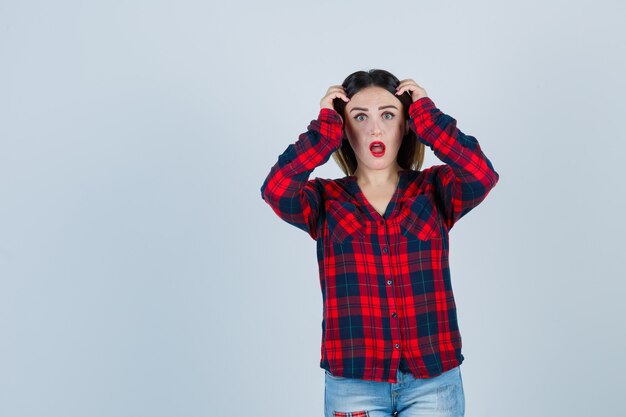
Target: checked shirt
point(385, 279)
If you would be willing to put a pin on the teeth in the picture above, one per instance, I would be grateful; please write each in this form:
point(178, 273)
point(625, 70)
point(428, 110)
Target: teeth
point(377, 147)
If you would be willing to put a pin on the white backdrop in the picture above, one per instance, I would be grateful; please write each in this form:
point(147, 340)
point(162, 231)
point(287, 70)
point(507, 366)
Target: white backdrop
point(141, 274)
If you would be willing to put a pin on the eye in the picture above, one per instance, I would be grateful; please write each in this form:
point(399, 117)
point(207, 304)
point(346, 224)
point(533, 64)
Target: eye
point(388, 114)
point(359, 115)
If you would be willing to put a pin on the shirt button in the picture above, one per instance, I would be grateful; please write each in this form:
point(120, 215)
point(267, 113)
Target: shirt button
point(397, 345)
point(381, 222)
point(389, 282)
point(385, 249)
point(394, 314)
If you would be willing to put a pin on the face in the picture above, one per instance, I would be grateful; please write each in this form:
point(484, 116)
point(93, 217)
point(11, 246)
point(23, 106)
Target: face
point(375, 126)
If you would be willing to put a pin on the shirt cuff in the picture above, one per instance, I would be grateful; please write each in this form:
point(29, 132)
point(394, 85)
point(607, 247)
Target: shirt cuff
point(421, 106)
point(329, 116)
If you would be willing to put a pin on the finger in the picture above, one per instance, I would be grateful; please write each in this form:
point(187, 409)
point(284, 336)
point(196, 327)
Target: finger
point(342, 96)
point(404, 89)
point(338, 92)
point(401, 87)
point(336, 88)
point(407, 83)
point(332, 95)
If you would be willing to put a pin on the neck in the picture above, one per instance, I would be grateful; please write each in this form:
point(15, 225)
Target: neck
point(378, 177)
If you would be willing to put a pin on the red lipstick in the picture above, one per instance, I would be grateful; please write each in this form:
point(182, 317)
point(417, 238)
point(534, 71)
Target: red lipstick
point(377, 149)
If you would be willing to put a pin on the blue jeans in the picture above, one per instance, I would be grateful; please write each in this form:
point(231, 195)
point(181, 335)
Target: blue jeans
point(440, 396)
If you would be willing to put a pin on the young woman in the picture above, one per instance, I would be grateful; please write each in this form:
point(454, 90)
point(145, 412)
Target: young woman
point(390, 339)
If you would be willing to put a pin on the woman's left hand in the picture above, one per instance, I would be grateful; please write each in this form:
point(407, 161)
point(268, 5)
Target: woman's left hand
point(411, 86)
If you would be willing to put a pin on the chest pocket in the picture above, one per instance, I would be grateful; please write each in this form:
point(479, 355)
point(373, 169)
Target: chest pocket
point(345, 221)
point(422, 220)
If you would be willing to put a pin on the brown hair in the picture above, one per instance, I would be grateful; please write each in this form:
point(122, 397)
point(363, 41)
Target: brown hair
point(411, 152)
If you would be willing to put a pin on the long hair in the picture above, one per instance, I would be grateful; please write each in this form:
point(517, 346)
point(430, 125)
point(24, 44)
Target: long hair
point(411, 152)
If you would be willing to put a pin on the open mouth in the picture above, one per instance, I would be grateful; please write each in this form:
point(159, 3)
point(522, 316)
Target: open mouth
point(377, 148)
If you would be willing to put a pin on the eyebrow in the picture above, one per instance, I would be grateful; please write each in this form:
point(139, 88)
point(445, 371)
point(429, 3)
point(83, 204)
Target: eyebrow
point(380, 108)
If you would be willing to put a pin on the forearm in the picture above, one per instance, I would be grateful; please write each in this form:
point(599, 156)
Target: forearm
point(462, 152)
point(286, 188)
point(468, 175)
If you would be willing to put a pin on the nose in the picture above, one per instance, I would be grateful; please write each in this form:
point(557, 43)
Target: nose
point(375, 131)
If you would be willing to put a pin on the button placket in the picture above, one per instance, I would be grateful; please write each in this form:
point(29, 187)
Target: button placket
point(387, 262)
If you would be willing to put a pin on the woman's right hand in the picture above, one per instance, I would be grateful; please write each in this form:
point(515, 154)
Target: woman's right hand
point(334, 91)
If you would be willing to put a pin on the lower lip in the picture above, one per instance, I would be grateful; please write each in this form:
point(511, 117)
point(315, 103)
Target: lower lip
point(377, 154)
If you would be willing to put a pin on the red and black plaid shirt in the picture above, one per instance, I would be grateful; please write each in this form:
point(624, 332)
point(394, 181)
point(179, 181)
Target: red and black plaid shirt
point(385, 280)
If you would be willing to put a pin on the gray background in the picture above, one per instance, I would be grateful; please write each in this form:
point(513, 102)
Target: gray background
point(141, 274)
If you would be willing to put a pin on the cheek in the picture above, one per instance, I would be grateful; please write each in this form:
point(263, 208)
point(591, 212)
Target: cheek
point(400, 133)
point(354, 138)
point(395, 136)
